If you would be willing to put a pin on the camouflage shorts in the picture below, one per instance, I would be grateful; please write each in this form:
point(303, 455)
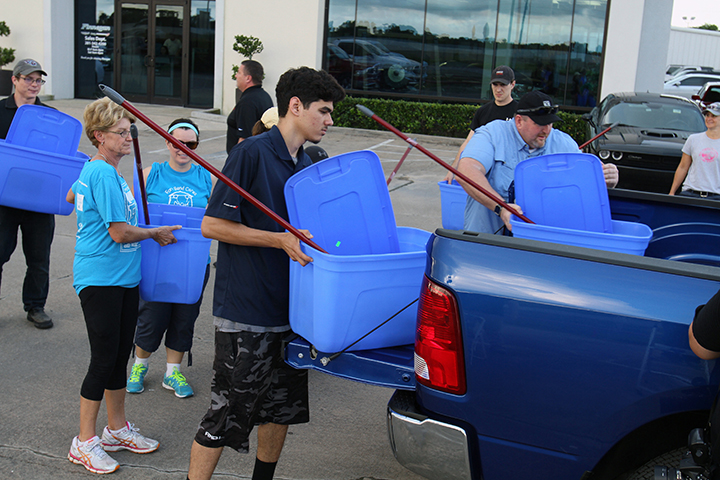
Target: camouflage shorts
point(251, 385)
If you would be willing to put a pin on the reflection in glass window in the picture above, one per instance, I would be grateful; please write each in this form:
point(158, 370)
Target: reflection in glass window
point(447, 48)
point(202, 53)
point(459, 41)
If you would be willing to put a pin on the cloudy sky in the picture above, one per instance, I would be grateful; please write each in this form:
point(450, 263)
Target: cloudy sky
point(704, 11)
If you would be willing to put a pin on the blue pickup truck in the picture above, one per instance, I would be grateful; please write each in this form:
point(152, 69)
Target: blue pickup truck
point(546, 361)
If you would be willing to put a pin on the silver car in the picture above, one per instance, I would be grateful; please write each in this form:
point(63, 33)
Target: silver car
point(689, 84)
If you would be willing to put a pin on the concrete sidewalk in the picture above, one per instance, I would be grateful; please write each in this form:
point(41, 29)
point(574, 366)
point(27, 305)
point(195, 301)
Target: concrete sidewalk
point(42, 369)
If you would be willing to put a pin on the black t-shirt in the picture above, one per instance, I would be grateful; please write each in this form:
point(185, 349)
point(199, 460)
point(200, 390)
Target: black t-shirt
point(490, 111)
point(8, 108)
point(706, 325)
point(252, 284)
point(252, 104)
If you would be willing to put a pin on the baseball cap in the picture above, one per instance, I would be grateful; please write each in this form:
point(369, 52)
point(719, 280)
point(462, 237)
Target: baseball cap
point(316, 153)
point(270, 117)
point(539, 107)
point(713, 108)
point(27, 66)
point(503, 74)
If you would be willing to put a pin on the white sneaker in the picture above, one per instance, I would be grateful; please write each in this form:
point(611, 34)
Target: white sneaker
point(127, 438)
point(91, 455)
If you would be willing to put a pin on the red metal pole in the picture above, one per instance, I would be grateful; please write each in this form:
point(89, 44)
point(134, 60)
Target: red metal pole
point(138, 167)
point(598, 135)
point(117, 98)
point(472, 183)
point(397, 167)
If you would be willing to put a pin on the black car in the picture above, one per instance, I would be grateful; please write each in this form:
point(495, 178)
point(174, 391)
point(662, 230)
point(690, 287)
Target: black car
point(646, 145)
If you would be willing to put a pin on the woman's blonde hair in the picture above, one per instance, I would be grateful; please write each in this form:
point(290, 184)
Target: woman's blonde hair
point(101, 115)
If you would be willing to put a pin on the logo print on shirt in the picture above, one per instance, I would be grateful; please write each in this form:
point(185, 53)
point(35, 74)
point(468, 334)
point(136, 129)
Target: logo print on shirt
point(708, 154)
point(183, 199)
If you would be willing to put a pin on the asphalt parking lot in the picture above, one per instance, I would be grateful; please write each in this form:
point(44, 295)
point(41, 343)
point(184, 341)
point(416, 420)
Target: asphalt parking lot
point(42, 369)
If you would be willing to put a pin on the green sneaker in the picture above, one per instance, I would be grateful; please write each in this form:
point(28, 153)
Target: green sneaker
point(176, 381)
point(137, 377)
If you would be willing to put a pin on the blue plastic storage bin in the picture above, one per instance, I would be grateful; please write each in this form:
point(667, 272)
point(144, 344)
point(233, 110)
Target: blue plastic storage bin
point(44, 128)
point(564, 190)
point(345, 203)
point(336, 299)
point(565, 195)
point(453, 199)
point(39, 160)
point(35, 180)
point(373, 268)
point(174, 273)
point(626, 237)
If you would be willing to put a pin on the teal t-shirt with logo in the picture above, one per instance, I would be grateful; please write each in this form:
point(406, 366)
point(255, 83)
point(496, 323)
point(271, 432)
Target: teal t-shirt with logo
point(101, 197)
point(188, 189)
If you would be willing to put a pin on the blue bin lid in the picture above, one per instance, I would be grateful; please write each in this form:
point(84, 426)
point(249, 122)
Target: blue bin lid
point(44, 128)
point(345, 203)
point(564, 190)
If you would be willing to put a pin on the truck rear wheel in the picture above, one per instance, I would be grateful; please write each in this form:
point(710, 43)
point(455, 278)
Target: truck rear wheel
point(647, 471)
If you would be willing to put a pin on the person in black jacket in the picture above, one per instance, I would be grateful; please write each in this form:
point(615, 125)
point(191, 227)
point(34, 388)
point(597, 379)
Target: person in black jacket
point(37, 228)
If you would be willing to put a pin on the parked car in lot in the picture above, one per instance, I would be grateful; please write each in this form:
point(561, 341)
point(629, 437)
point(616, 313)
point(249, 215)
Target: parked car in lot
point(646, 145)
point(675, 70)
point(688, 84)
point(709, 93)
point(396, 70)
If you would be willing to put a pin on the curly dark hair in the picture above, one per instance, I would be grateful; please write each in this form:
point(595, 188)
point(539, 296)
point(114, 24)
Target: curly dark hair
point(309, 86)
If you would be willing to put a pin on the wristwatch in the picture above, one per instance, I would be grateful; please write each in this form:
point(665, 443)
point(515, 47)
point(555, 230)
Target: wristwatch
point(498, 209)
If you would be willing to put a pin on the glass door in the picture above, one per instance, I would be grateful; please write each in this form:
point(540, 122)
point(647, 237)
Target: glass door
point(152, 61)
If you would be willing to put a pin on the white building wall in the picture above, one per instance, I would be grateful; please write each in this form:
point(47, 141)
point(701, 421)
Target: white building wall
point(27, 32)
point(654, 41)
point(636, 43)
point(291, 32)
point(691, 46)
point(59, 48)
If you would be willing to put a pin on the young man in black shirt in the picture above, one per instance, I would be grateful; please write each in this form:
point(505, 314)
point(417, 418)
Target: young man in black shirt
point(501, 108)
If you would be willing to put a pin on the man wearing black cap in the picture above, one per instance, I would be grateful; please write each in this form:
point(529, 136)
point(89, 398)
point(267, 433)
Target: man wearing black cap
point(37, 228)
point(495, 150)
point(502, 108)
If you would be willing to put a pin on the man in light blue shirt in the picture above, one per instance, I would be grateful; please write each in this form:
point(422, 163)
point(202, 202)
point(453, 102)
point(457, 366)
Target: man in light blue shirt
point(495, 150)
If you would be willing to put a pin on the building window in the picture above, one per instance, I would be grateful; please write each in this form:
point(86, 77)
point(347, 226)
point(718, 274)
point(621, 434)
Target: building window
point(440, 50)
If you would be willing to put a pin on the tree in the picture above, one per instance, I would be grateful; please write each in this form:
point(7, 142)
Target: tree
point(708, 26)
point(247, 47)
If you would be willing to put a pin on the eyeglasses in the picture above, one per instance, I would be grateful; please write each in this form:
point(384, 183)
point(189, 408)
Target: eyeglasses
point(190, 145)
point(539, 110)
point(30, 81)
point(123, 133)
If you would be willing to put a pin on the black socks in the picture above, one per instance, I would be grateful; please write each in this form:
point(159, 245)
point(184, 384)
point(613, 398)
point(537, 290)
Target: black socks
point(263, 470)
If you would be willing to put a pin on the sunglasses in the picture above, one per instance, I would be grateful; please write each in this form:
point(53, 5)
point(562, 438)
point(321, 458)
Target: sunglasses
point(190, 145)
point(539, 110)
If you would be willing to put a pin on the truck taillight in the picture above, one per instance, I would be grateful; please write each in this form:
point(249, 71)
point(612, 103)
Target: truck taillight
point(439, 361)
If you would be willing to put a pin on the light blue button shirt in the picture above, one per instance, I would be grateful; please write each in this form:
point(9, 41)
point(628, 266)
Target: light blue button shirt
point(499, 147)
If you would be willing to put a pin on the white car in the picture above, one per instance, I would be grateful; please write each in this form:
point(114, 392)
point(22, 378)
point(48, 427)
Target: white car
point(677, 70)
point(689, 84)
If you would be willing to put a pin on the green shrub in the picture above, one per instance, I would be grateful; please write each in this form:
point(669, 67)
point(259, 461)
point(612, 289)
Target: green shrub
point(7, 55)
point(441, 119)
